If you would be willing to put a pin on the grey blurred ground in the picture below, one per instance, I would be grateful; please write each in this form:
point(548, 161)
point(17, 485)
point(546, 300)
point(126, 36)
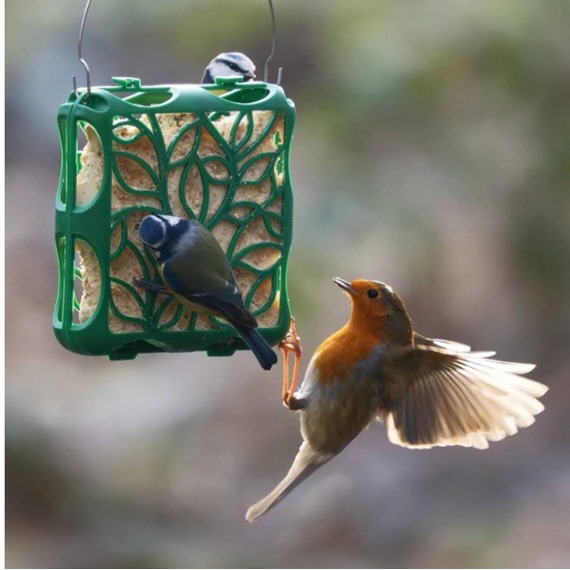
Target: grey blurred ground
point(432, 151)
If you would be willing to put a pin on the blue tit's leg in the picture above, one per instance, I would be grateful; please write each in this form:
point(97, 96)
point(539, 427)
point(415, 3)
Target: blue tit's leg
point(291, 343)
point(152, 287)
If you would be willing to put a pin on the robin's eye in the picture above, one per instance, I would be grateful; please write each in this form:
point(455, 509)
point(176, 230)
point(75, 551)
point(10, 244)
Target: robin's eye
point(372, 293)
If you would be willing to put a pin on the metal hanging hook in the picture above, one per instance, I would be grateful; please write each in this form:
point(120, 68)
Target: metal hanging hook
point(88, 71)
point(266, 67)
point(80, 54)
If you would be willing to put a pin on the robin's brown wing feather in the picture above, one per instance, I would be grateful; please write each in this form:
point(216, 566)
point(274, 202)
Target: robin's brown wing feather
point(449, 345)
point(458, 398)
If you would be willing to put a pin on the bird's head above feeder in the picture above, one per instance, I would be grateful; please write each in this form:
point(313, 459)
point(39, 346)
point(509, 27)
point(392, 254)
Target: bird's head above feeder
point(228, 65)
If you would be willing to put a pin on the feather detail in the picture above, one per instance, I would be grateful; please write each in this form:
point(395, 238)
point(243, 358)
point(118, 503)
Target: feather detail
point(306, 462)
point(449, 345)
point(443, 398)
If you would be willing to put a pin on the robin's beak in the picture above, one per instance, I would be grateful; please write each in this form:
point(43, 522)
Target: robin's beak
point(343, 284)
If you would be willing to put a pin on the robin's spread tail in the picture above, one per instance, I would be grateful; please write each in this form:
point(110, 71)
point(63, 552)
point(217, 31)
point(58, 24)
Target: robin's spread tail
point(306, 463)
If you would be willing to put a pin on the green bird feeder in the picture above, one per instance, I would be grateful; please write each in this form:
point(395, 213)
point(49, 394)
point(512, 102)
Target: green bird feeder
point(215, 153)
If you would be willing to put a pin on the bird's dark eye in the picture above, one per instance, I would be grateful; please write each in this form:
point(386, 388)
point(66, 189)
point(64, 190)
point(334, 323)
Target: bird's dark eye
point(372, 293)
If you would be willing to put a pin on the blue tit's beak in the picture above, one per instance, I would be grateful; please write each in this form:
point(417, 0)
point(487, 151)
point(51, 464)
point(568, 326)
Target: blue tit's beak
point(344, 284)
point(249, 75)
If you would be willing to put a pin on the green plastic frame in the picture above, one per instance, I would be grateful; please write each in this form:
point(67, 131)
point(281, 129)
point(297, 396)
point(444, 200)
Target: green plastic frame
point(106, 108)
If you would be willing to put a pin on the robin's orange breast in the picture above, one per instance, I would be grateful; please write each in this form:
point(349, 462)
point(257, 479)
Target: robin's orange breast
point(339, 354)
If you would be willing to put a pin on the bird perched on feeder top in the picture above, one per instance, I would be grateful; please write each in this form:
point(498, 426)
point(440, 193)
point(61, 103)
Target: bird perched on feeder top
point(228, 65)
point(196, 271)
point(430, 392)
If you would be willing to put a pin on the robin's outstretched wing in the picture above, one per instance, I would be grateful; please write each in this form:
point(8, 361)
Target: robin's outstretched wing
point(455, 397)
point(448, 345)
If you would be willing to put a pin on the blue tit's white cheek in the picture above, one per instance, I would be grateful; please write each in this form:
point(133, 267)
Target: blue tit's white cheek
point(220, 69)
point(172, 221)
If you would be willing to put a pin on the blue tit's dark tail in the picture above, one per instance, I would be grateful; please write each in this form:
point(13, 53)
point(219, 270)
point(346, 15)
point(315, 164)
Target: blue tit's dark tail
point(258, 345)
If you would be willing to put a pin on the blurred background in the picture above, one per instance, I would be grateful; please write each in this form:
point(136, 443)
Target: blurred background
point(432, 151)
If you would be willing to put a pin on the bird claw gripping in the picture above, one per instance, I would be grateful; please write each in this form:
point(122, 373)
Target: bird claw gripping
point(291, 343)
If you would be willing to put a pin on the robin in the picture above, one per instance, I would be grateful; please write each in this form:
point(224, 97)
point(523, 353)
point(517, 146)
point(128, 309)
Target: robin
point(429, 392)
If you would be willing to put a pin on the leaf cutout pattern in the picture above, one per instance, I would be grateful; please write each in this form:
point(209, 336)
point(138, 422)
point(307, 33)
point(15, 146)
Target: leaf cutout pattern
point(258, 258)
point(134, 174)
point(256, 169)
point(184, 144)
point(217, 169)
point(169, 313)
point(124, 298)
point(119, 236)
point(266, 124)
point(222, 169)
point(263, 295)
point(243, 212)
point(191, 192)
point(273, 224)
point(242, 130)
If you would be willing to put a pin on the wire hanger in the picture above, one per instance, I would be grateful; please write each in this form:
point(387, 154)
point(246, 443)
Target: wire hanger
point(88, 71)
point(266, 67)
point(80, 54)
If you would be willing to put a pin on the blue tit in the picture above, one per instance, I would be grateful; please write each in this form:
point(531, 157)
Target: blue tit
point(227, 65)
point(197, 272)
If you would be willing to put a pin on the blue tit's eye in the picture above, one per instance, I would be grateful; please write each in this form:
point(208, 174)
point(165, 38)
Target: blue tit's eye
point(372, 293)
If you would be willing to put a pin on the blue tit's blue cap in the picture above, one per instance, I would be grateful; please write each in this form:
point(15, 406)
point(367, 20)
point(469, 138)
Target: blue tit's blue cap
point(236, 56)
point(232, 62)
point(153, 231)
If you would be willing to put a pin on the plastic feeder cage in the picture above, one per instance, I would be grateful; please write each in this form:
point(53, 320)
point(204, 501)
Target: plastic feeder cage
point(216, 153)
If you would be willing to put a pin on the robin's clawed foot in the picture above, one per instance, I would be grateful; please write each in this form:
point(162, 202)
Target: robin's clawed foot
point(291, 343)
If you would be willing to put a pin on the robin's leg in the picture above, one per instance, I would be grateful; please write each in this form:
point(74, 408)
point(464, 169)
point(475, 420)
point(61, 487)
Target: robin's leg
point(291, 343)
point(285, 389)
point(152, 287)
